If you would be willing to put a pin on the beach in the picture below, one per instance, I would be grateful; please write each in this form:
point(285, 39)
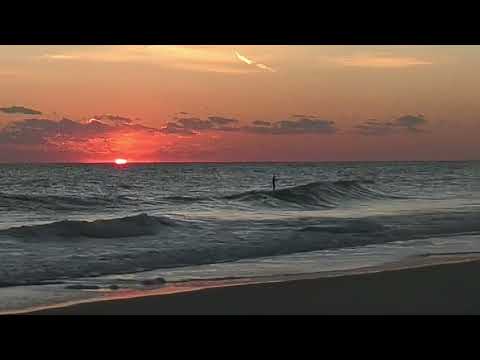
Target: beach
point(438, 289)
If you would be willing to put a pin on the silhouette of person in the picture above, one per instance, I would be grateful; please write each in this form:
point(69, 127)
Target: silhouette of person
point(274, 180)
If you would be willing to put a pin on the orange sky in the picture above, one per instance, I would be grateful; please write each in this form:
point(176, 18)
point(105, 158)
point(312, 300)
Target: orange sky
point(239, 103)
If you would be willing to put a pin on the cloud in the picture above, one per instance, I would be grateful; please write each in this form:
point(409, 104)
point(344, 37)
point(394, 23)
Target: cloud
point(252, 62)
point(46, 139)
point(265, 67)
point(304, 116)
point(410, 121)
point(261, 123)
point(299, 125)
point(105, 137)
point(20, 110)
point(220, 121)
point(176, 128)
point(407, 123)
point(305, 124)
point(62, 56)
point(194, 125)
point(45, 131)
point(190, 58)
point(113, 119)
point(378, 61)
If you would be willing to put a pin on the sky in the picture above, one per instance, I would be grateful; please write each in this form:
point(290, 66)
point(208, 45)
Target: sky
point(239, 103)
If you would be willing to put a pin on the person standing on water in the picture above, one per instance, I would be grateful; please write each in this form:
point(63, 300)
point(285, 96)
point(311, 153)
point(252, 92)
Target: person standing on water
point(274, 180)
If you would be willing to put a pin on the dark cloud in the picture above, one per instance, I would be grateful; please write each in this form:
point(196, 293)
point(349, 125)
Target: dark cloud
point(301, 125)
point(194, 125)
point(261, 123)
point(221, 121)
point(410, 122)
point(407, 123)
point(301, 116)
point(55, 133)
point(20, 110)
point(174, 128)
point(44, 131)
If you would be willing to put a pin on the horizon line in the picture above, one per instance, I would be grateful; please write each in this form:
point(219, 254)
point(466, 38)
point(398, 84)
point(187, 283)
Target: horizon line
point(223, 162)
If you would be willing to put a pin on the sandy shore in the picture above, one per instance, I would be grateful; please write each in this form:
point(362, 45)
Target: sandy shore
point(452, 288)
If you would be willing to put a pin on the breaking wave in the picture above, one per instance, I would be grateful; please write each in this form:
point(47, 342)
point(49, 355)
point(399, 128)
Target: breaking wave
point(145, 242)
point(138, 225)
point(321, 194)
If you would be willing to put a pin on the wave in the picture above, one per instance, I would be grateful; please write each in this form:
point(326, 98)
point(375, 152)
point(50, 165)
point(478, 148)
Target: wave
point(323, 194)
point(358, 226)
point(317, 194)
point(145, 242)
point(58, 202)
point(138, 225)
point(188, 198)
point(320, 194)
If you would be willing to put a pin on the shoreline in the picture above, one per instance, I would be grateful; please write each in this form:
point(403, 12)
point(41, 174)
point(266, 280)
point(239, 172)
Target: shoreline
point(445, 284)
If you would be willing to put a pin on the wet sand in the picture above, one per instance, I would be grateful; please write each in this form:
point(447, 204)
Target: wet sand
point(451, 288)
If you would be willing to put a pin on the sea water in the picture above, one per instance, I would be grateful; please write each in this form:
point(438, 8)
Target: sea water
point(101, 224)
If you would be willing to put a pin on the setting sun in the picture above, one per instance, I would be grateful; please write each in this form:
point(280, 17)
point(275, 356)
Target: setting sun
point(120, 161)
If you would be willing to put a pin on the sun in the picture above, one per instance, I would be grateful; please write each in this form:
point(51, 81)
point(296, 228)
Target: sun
point(120, 161)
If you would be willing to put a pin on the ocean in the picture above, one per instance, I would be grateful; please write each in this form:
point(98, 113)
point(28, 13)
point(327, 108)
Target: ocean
point(70, 232)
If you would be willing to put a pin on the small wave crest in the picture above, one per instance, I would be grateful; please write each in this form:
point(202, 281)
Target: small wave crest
point(320, 194)
point(138, 225)
point(58, 202)
point(317, 194)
